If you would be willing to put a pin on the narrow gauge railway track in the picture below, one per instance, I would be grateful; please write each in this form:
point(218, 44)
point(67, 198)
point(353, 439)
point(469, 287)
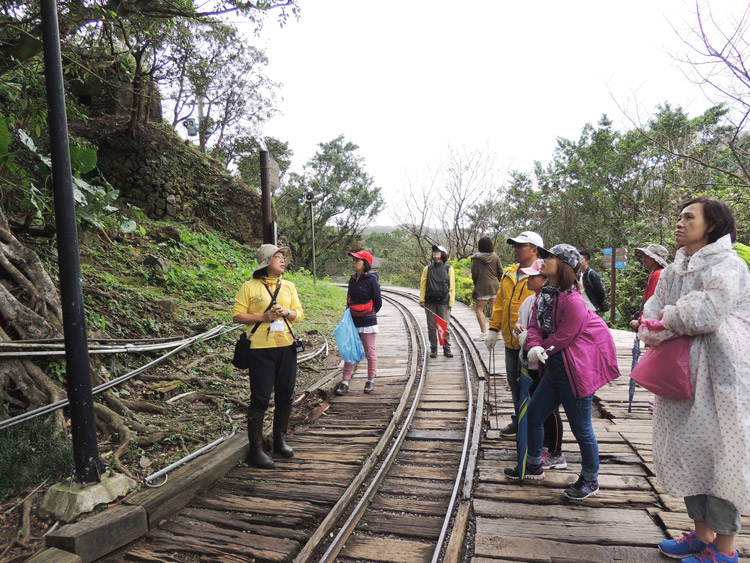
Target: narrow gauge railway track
point(378, 478)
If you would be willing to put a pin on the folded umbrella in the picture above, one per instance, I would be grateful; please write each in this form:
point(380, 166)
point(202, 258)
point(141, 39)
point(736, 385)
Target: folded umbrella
point(522, 437)
point(636, 356)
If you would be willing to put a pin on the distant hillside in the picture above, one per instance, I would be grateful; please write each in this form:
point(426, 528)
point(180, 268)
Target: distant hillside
point(379, 229)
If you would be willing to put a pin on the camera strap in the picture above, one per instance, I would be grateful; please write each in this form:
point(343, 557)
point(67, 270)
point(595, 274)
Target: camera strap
point(273, 300)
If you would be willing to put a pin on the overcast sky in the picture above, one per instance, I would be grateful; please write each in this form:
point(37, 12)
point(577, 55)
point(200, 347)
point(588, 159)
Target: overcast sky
point(407, 80)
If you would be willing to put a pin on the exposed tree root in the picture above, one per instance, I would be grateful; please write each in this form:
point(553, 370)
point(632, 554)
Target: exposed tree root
point(147, 407)
point(199, 361)
point(116, 459)
point(25, 532)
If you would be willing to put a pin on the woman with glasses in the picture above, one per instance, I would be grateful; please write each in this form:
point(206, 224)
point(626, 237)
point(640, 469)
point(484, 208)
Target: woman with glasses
point(267, 305)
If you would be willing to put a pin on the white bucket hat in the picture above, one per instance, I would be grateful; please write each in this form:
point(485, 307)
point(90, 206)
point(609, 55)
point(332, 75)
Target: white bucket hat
point(266, 251)
point(655, 251)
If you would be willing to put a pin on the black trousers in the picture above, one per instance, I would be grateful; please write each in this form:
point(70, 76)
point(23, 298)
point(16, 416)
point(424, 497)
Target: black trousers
point(272, 369)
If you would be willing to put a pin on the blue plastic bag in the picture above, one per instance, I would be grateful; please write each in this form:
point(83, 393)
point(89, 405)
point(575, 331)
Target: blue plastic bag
point(347, 340)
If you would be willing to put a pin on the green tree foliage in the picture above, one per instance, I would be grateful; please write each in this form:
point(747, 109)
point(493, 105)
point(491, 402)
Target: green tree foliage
point(402, 260)
point(84, 23)
point(346, 201)
point(212, 74)
point(623, 189)
point(243, 153)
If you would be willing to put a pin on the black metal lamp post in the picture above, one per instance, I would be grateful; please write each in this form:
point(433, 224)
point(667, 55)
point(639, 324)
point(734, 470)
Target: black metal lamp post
point(87, 466)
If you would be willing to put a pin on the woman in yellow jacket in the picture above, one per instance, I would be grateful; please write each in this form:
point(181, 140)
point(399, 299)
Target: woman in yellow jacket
point(267, 305)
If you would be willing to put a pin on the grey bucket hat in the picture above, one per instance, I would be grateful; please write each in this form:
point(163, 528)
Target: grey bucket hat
point(565, 252)
point(655, 251)
point(266, 252)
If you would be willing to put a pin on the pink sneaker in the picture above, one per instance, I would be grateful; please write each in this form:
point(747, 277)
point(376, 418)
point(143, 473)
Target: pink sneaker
point(553, 461)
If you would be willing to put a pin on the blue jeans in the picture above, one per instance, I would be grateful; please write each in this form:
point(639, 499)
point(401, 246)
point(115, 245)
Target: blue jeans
point(554, 390)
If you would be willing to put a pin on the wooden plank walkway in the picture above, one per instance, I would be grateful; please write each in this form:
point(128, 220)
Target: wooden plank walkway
point(535, 522)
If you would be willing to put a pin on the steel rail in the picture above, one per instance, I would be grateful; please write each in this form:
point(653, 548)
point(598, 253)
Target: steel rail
point(464, 451)
point(468, 455)
point(328, 523)
point(355, 516)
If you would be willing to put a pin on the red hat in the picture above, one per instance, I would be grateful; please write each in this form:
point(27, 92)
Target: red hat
point(362, 255)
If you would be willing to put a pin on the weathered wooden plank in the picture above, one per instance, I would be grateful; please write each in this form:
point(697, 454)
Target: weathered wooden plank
point(439, 425)
point(354, 455)
point(102, 533)
point(574, 466)
point(568, 513)
point(211, 542)
point(234, 503)
point(545, 495)
point(435, 459)
point(163, 502)
point(423, 472)
point(342, 432)
point(387, 549)
point(433, 489)
point(145, 555)
point(311, 442)
point(402, 525)
point(293, 467)
point(603, 531)
point(242, 522)
point(455, 548)
point(430, 446)
point(55, 555)
point(538, 549)
point(563, 479)
point(413, 505)
point(440, 415)
point(448, 435)
point(444, 406)
point(287, 491)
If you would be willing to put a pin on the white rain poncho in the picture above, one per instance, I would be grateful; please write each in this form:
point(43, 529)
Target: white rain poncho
point(702, 445)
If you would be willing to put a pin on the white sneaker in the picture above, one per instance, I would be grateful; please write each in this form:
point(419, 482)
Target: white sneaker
point(480, 337)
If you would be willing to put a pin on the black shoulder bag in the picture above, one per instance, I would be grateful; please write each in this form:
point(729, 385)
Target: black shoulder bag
point(241, 358)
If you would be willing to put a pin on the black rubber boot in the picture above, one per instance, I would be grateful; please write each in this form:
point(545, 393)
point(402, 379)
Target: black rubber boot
point(280, 427)
point(257, 455)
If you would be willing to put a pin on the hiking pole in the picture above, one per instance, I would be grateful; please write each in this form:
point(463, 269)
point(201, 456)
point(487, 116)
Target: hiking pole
point(493, 375)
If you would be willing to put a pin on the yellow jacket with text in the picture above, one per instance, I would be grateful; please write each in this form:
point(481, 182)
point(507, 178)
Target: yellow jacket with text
point(512, 293)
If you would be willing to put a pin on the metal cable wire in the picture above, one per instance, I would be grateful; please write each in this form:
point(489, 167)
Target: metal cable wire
point(41, 411)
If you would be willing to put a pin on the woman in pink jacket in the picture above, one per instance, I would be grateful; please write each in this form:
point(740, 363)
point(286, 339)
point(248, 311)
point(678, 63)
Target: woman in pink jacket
point(579, 355)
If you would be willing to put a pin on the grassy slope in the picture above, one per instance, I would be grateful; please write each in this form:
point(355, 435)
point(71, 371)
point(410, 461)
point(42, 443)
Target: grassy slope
point(122, 296)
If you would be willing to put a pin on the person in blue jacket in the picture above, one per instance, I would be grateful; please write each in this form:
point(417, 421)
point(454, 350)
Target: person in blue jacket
point(364, 301)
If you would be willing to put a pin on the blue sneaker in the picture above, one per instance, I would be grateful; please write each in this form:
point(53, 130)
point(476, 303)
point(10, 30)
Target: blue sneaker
point(687, 545)
point(711, 554)
point(582, 489)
